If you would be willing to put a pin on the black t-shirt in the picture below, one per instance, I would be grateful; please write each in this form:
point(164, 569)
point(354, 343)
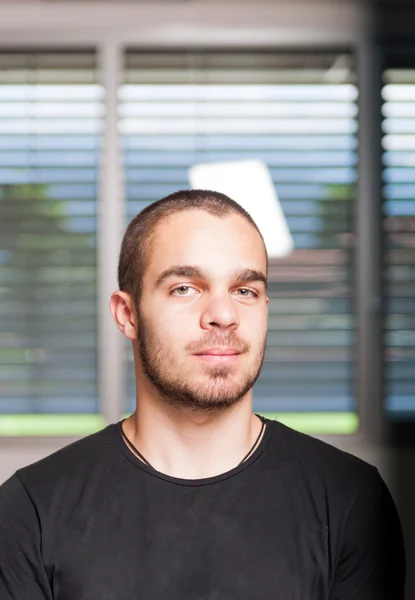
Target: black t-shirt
point(299, 520)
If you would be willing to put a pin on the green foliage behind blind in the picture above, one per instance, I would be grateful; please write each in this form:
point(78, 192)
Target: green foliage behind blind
point(50, 120)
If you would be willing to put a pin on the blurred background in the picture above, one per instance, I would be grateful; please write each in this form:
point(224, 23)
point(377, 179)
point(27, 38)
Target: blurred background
point(104, 108)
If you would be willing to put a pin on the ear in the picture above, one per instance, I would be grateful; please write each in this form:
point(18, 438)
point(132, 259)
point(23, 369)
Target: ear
point(123, 311)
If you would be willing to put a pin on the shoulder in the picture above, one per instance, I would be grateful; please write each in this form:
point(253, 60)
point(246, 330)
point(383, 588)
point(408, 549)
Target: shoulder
point(70, 463)
point(320, 462)
point(350, 494)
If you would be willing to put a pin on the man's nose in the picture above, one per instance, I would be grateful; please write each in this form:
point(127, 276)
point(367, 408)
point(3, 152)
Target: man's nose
point(220, 311)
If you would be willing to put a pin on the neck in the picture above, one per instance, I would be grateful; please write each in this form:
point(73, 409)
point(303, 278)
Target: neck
point(191, 445)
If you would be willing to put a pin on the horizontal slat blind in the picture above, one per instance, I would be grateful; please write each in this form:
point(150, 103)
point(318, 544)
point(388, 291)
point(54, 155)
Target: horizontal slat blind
point(399, 228)
point(50, 121)
point(298, 113)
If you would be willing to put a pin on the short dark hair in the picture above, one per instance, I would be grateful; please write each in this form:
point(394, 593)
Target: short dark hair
point(137, 242)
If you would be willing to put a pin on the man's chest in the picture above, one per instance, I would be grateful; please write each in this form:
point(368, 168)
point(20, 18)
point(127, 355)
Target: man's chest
point(191, 554)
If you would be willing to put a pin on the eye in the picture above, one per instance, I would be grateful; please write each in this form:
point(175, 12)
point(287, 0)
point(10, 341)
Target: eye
point(183, 290)
point(246, 293)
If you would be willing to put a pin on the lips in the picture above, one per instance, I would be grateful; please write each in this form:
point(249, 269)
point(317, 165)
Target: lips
point(218, 352)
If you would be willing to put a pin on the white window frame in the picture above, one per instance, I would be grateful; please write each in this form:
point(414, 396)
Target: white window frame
point(110, 28)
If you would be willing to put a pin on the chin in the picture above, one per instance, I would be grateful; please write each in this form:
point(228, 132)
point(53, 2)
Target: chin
point(219, 393)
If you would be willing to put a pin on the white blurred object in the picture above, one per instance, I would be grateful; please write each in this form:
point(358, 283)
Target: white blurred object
point(249, 183)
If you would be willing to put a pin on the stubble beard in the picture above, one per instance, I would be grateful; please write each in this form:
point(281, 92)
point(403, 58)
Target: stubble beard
point(220, 388)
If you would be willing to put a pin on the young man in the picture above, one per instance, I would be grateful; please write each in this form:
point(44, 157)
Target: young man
point(194, 497)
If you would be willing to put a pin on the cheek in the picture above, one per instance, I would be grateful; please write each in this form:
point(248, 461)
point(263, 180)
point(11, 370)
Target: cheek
point(254, 322)
point(177, 316)
point(172, 330)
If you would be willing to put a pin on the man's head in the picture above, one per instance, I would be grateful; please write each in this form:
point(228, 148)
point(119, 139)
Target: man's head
point(139, 237)
point(192, 278)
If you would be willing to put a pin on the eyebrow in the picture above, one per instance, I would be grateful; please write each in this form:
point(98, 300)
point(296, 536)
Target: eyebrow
point(247, 275)
point(243, 276)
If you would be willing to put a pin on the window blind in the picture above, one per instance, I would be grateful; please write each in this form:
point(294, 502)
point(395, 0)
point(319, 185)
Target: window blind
point(298, 113)
point(399, 233)
point(50, 120)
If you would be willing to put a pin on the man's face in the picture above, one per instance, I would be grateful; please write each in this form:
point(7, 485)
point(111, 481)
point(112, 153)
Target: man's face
point(202, 317)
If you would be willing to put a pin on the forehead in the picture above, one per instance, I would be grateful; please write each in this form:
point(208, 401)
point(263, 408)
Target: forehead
point(214, 243)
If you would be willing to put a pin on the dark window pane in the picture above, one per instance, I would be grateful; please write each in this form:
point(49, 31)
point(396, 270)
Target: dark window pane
point(399, 230)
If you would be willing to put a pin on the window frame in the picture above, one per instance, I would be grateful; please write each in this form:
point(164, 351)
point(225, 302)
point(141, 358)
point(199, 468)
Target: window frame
point(335, 32)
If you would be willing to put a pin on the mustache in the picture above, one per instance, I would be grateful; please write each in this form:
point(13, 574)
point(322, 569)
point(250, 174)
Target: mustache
point(215, 341)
